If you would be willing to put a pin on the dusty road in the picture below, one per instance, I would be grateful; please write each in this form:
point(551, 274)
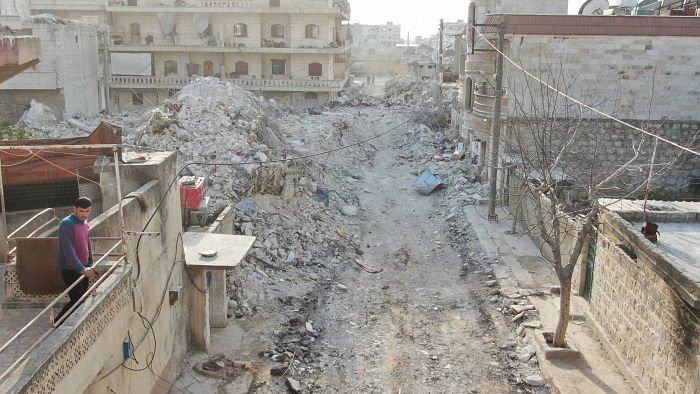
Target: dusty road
point(422, 324)
point(419, 325)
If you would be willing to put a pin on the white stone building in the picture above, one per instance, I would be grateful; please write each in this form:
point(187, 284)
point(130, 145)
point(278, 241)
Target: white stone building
point(377, 37)
point(67, 77)
point(294, 50)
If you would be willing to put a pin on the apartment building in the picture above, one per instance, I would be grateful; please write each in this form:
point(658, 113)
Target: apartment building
point(294, 50)
point(376, 36)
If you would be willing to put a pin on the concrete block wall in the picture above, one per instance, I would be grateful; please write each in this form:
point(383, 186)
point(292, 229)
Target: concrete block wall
point(630, 77)
point(648, 326)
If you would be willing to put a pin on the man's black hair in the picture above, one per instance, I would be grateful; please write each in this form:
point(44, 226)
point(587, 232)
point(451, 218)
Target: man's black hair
point(83, 202)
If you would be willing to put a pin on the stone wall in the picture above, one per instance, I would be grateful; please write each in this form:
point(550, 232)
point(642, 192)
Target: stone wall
point(602, 146)
point(630, 77)
point(643, 319)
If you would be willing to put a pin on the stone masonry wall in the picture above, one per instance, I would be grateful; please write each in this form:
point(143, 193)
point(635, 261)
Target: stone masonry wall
point(647, 324)
point(613, 146)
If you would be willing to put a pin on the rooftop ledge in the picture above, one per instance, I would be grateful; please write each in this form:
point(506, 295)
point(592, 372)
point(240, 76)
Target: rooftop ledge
point(675, 255)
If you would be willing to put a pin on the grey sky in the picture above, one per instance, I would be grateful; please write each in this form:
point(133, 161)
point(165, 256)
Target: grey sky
point(419, 17)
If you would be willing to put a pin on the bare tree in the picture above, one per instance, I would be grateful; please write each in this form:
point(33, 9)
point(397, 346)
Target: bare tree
point(560, 153)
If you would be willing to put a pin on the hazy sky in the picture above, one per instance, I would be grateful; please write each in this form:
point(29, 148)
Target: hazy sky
point(420, 17)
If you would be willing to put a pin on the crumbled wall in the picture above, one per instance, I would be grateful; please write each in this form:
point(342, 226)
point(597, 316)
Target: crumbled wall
point(644, 320)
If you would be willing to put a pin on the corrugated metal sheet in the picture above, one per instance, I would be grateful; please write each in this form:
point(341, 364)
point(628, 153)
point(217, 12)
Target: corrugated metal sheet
point(59, 165)
point(593, 25)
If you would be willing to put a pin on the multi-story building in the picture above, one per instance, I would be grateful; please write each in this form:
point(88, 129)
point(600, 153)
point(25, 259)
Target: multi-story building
point(376, 36)
point(292, 49)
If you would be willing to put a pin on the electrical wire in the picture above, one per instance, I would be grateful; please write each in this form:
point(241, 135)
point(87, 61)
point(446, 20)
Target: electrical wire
point(584, 105)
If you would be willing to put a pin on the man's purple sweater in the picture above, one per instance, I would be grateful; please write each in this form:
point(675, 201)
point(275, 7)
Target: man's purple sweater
point(74, 251)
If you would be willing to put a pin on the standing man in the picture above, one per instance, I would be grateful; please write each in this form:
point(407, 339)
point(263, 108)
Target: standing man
point(75, 251)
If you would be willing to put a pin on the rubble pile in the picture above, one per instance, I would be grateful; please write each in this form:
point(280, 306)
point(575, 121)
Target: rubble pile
point(213, 121)
point(38, 116)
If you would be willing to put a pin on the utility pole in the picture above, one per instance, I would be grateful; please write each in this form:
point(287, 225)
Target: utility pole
point(496, 123)
point(440, 47)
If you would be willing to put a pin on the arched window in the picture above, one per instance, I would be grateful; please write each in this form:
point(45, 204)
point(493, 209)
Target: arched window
point(240, 30)
point(311, 31)
point(135, 32)
point(208, 68)
point(277, 31)
point(170, 67)
point(241, 68)
point(468, 94)
point(315, 69)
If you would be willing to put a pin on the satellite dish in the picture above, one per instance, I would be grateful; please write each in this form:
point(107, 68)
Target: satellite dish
point(593, 7)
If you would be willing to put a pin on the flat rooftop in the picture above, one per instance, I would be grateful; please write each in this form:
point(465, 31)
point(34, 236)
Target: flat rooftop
point(588, 25)
point(679, 229)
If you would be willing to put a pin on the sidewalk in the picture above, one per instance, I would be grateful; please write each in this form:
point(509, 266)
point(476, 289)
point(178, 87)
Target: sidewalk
point(521, 267)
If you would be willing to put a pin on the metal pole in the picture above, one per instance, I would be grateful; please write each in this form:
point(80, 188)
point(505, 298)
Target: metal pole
point(4, 242)
point(496, 131)
point(122, 229)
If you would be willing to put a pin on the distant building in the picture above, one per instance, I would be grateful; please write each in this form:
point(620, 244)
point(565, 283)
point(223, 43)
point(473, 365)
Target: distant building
point(376, 36)
point(297, 50)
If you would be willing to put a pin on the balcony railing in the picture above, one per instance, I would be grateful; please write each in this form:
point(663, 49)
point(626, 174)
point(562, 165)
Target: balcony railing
point(214, 41)
point(176, 82)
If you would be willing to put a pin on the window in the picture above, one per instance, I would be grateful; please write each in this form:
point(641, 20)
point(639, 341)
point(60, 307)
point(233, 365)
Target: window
point(208, 69)
point(241, 68)
point(278, 67)
point(315, 70)
point(170, 67)
point(172, 92)
point(274, 3)
point(311, 96)
point(240, 30)
point(468, 94)
point(135, 31)
point(311, 31)
point(137, 98)
point(277, 31)
point(132, 3)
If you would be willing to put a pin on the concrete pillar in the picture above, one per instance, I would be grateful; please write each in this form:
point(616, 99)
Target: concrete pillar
point(199, 311)
point(218, 300)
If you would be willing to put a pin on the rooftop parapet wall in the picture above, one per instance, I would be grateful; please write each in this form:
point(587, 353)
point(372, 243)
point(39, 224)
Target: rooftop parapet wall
point(645, 310)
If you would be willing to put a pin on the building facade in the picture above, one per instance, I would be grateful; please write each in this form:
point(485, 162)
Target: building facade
point(295, 50)
point(66, 78)
point(386, 36)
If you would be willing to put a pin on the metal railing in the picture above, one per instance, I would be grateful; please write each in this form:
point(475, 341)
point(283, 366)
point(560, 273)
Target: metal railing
point(121, 242)
point(49, 307)
point(248, 82)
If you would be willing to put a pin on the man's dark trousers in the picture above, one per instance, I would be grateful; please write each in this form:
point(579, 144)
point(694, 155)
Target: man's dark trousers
point(69, 277)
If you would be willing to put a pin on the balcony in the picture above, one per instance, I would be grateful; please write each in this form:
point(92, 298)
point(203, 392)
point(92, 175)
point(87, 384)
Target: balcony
point(484, 100)
point(331, 7)
point(249, 83)
point(68, 5)
point(155, 42)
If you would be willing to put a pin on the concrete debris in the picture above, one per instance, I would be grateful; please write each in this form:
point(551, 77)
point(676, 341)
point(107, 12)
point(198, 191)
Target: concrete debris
point(349, 210)
point(534, 380)
point(293, 385)
point(37, 116)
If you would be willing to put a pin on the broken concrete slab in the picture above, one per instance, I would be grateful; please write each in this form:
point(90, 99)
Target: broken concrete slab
point(521, 308)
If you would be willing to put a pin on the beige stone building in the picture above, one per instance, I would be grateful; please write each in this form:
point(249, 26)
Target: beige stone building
point(294, 50)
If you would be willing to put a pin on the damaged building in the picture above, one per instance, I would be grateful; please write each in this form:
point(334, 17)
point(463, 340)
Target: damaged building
point(293, 50)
